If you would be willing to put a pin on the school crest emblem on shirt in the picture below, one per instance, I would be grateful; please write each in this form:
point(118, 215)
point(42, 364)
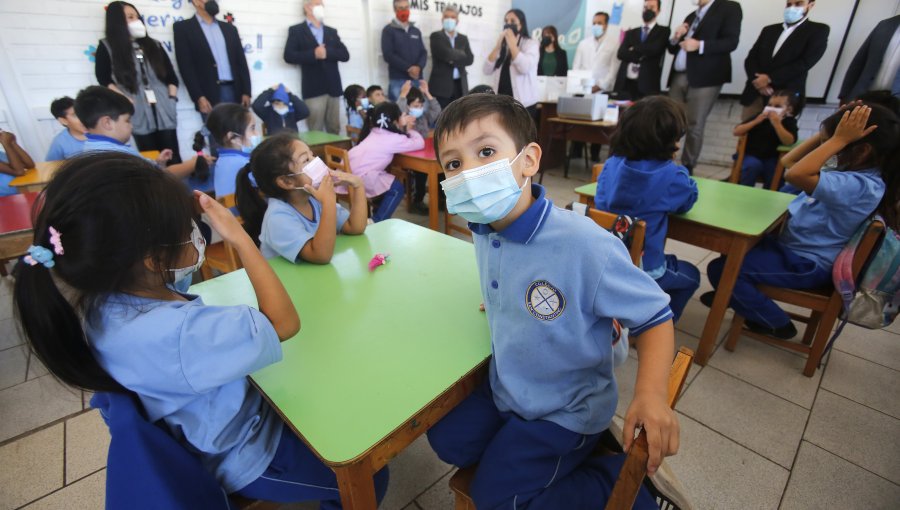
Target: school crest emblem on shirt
point(544, 301)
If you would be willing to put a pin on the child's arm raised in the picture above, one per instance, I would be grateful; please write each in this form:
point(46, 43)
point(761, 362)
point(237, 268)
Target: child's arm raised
point(650, 408)
point(359, 206)
point(852, 127)
point(273, 299)
point(743, 129)
point(797, 153)
point(784, 136)
point(320, 248)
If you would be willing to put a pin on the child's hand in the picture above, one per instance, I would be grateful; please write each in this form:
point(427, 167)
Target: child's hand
point(404, 90)
point(164, 156)
point(221, 219)
point(659, 421)
point(346, 179)
point(852, 126)
point(423, 86)
point(774, 117)
point(325, 192)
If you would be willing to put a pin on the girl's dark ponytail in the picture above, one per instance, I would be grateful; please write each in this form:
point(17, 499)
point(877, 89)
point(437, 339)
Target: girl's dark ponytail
point(201, 167)
point(250, 204)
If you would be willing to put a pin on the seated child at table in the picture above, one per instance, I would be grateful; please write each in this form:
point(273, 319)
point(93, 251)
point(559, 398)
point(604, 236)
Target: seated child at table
point(234, 130)
point(357, 105)
point(375, 95)
point(298, 217)
point(107, 116)
point(14, 161)
point(418, 102)
point(832, 205)
point(642, 180)
point(279, 109)
point(118, 232)
point(387, 132)
point(552, 282)
point(69, 141)
point(775, 125)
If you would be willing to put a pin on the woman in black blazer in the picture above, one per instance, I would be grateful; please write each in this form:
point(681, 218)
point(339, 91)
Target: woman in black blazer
point(553, 61)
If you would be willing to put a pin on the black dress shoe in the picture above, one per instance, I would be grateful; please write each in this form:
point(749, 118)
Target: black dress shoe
point(785, 332)
point(707, 298)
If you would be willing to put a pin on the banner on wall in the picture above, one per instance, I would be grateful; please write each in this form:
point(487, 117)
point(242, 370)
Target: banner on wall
point(568, 16)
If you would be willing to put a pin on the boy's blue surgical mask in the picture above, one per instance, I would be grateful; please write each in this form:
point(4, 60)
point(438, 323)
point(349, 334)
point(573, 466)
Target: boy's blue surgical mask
point(598, 30)
point(416, 112)
point(484, 194)
point(254, 141)
point(793, 14)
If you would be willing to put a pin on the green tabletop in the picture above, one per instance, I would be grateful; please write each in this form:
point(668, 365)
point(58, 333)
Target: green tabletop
point(321, 138)
point(728, 206)
point(374, 347)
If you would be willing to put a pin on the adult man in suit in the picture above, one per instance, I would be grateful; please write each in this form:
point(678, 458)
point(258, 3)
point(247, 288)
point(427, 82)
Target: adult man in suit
point(403, 50)
point(211, 59)
point(317, 49)
point(450, 54)
point(702, 46)
point(876, 64)
point(641, 53)
point(782, 56)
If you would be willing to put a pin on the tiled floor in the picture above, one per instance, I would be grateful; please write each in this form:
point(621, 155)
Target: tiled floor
point(755, 433)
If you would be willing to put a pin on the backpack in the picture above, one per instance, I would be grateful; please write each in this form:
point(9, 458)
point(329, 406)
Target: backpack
point(872, 301)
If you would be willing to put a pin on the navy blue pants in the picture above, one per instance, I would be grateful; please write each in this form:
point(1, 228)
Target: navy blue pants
point(525, 464)
point(296, 474)
point(680, 281)
point(754, 168)
point(388, 201)
point(772, 264)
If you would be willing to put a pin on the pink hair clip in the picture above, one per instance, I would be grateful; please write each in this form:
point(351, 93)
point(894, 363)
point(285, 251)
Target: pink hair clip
point(56, 241)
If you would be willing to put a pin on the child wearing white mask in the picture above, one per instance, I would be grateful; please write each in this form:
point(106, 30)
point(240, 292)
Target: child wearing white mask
point(287, 200)
point(279, 109)
point(775, 125)
point(418, 102)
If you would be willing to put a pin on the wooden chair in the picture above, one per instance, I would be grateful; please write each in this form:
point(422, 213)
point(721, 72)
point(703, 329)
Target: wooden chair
point(353, 134)
point(824, 305)
point(596, 170)
point(777, 177)
point(735, 176)
point(337, 158)
point(607, 220)
point(633, 471)
point(221, 256)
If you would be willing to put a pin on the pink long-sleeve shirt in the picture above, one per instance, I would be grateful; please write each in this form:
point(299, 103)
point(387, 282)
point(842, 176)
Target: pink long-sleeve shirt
point(370, 159)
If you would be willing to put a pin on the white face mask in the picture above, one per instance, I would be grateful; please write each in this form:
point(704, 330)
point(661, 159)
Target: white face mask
point(316, 170)
point(281, 110)
point(318, 12)
point(199, 243)
point(137, 29)
point(777, 109)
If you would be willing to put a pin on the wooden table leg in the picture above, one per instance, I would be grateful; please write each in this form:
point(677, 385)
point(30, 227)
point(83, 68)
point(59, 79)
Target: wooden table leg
point(733, 261)
point(357, 486)
point(434, 200)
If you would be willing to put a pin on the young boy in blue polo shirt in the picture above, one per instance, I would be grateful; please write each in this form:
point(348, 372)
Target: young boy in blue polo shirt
point(552, 282)
point(106, 115)
point(70, 141)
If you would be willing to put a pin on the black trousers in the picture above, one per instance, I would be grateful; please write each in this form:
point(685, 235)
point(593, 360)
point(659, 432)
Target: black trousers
point(158, 141)
point(457, 93)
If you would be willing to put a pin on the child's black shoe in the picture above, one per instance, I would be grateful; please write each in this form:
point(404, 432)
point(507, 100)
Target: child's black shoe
point(785, 332)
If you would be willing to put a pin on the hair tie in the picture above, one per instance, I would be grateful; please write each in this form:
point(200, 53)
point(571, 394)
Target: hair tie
point(56, 241)
point(39, 255)
point(383, 121)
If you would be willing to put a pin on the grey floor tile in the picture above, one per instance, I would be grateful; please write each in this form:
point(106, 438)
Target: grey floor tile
point(770, 368)
point(439, 496)
point(862, 381)
point(879, 346)
point(412, 473)
point(6, 308)
point(6, 286)
point(856, 433)
point(764, 423)
point(9, 334)
point(686, 252)
point(720, 474)
point(823, 480)
point(87, 442)
point(22, 413)
point(35, 367)
point(32, 467)
point(86, 494)
point(693, 320)
point(13, 365)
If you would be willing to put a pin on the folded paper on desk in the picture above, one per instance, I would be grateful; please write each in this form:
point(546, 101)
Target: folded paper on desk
point(590, 107)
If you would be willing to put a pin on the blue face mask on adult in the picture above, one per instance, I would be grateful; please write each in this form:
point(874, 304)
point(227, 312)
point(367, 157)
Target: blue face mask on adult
point(793, 14)
point(484, 194)
point(598, 30)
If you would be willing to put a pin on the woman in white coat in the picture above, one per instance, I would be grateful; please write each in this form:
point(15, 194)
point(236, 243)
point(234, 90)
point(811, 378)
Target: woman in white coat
point(513, 61)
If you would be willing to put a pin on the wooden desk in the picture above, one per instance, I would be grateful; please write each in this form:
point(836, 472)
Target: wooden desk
point(381, 356)
point(554, 148)
point(317, 140)
point(424, 161)
point(574, 130)
point(15, 226)
point(729, 219)
point(36, 179)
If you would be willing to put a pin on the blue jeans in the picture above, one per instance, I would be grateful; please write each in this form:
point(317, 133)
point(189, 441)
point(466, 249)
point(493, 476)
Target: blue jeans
point(754, 167)
point(388, 201)
point(530, 464)
point(769, 263)
point(394, 88)
point(680, 281)
point(296, 474)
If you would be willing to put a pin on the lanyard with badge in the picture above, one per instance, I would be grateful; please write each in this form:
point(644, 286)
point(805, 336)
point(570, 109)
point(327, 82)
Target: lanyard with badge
point(148, 92)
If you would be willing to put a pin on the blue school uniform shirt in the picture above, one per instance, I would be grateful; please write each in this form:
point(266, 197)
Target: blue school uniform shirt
point(101, 143)
point(822, 223)
point(188, 364)
point(225, 170)
point(285, 231)
point(64, 146)
point(552, 281)
point(5, 188)
point(648, 190)
point(354, 119)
